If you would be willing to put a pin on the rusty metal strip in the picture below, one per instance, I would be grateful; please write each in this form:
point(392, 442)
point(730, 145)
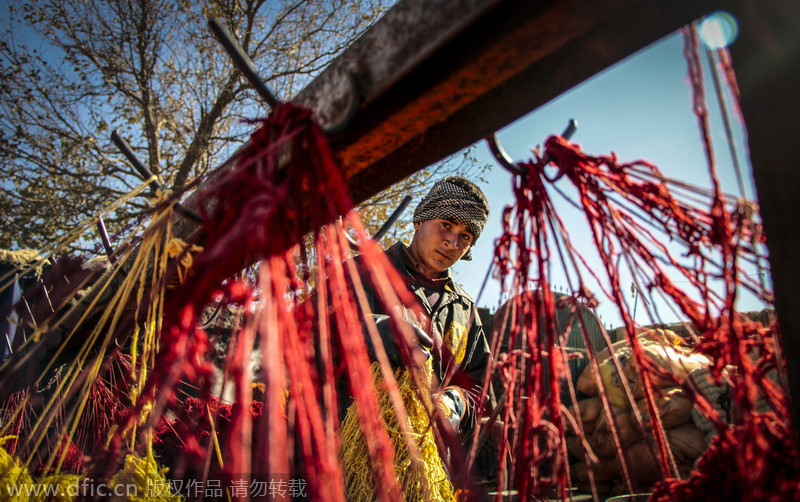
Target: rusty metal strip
point(435, 80)
point(435, 77)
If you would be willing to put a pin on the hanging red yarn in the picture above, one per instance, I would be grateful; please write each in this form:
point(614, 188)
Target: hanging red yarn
point(178, 445)
point(671, 238)
point(260, 211)
point(626, 206)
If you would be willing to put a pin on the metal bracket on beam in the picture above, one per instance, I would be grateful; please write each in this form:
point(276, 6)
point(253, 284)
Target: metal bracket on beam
point(145, 173)
point(505, 161)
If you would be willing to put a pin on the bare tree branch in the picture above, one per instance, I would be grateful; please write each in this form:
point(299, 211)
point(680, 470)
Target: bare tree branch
point(70, 72)
point(73, 71)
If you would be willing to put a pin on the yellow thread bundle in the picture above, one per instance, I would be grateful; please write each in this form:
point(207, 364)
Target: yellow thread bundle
point(149, 480)
point(64, 488)
point(427, 480)
point(17, 485)
point(178, 248)
point(139, 480)
point(12, 476)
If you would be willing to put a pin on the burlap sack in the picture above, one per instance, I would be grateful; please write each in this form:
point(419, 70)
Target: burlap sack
point(687, 443)
point(670, 365)
point(587, 411)
point(673, 404)
point(602, 440)
point(587, 382)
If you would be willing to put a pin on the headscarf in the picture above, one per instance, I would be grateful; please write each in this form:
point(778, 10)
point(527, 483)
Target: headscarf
point(458, 199)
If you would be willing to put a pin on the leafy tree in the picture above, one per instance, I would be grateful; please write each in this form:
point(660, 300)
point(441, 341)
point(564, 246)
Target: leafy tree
point(74, 71)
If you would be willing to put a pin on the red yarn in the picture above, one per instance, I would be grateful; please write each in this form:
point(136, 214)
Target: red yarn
point(182, 443)
point(286, 188)
point(751, 462)
point(632, 211)
point(260, 211)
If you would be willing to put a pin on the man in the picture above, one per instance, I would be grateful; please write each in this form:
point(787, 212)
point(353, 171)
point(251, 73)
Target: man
point(447, 222)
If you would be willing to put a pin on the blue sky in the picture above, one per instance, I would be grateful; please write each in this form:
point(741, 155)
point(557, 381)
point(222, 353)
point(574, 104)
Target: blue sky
point(640, 108)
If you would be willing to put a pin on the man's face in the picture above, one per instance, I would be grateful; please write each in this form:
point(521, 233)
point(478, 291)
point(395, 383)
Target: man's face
point(438, 244)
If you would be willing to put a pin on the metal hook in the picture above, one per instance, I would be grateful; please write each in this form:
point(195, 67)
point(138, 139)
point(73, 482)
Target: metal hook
point(386, 225)
point(242, 62)
point(504, 160)
point(145, 173)
point(502, 157)
point(101, 227)
point(245, 65)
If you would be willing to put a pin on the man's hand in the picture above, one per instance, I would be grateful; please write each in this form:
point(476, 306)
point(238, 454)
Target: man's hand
point(453, 399)
point(390, 339)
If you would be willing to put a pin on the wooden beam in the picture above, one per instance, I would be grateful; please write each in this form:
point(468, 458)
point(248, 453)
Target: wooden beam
point(432, 81)
point(766, 59)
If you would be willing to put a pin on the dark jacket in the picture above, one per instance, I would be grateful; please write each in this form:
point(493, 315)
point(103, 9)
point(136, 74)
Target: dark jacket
point(463, 354)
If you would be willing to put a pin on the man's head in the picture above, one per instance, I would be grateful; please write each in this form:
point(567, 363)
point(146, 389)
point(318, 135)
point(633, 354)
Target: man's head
point(447, 222)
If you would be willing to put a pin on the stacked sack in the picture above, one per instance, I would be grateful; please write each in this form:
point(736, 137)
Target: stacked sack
point(673, 363)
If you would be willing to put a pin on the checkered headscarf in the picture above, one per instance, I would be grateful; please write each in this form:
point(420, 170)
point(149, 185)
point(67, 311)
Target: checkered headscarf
point(455, 198)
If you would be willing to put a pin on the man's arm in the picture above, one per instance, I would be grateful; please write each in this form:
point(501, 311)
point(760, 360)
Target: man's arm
point(468, 379)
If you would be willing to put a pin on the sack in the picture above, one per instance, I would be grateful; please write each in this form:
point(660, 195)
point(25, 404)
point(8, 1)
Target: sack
point(587, 382)
point(669, 366)
point(580, 480)
point(643, 466)
point(673, 404)
point(607, 470)
point(602, 441)
point(717, 394)
point(575, 446)
point(590, 409)
point(687, 443)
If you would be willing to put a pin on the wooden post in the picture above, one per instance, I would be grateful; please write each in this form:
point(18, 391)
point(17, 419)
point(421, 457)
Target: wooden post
point(766, 58)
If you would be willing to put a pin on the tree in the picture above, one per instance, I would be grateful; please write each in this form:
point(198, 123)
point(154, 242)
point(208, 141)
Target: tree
point(74, 71)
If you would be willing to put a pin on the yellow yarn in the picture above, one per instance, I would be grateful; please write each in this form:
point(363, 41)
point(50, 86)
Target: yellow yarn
point(162, 194)
point(177, 247)
point(145, 268)
point(17, 484)
point(57, 488)
point(423, 480)
point(13, 476)
point(144, 474)
point(139, 480)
